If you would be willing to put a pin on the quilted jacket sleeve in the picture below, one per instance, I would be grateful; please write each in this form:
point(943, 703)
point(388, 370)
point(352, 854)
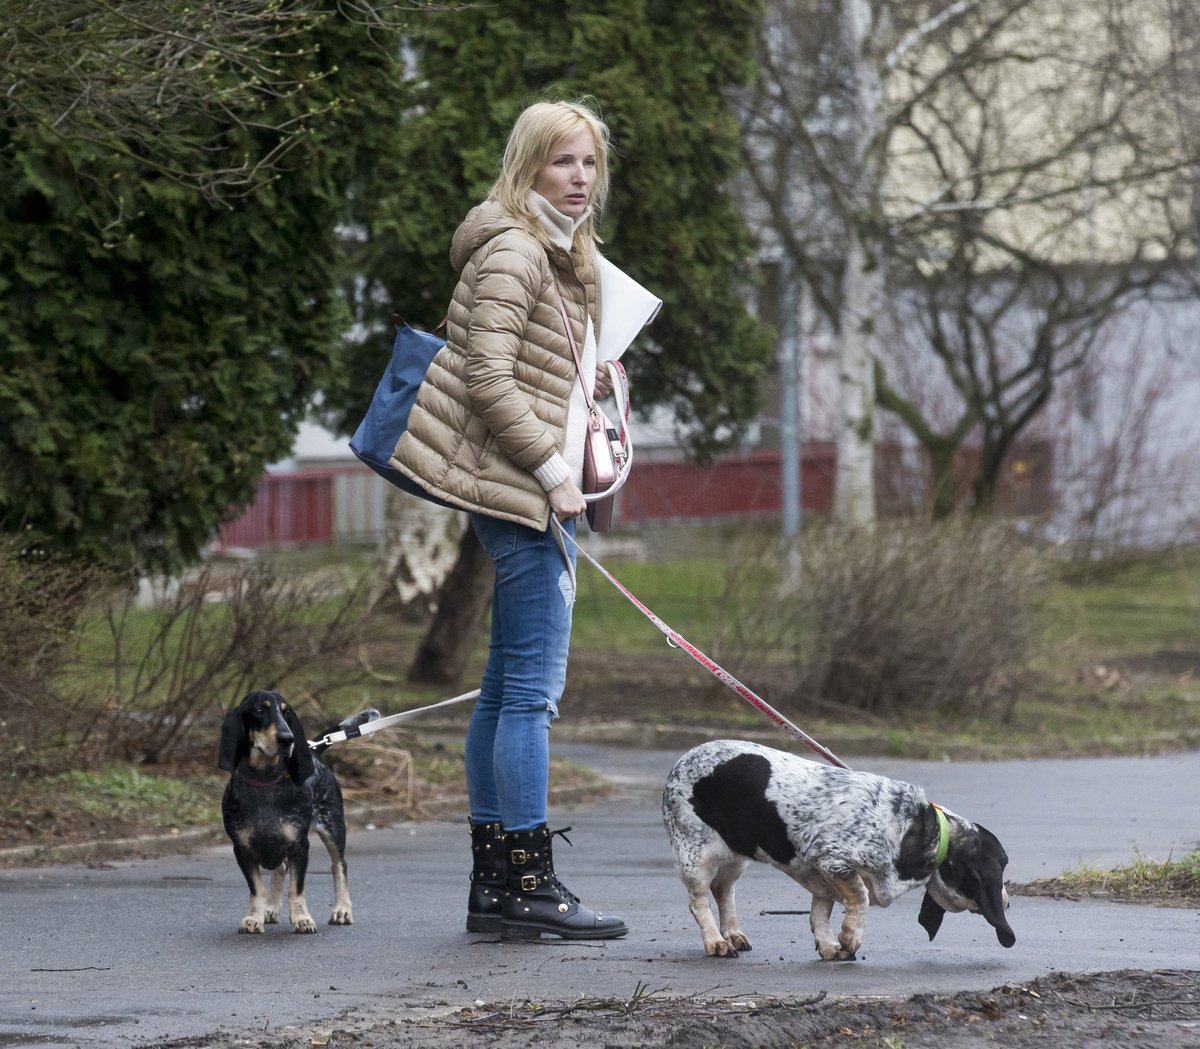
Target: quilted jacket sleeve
point(507, 285)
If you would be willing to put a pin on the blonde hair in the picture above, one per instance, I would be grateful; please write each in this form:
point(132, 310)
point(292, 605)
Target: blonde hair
point(538, 129)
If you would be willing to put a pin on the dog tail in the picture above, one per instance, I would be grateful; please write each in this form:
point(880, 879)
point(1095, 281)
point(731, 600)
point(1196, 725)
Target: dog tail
point(347, 723)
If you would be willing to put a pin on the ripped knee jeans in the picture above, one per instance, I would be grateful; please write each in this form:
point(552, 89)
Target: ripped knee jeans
point(508, 739)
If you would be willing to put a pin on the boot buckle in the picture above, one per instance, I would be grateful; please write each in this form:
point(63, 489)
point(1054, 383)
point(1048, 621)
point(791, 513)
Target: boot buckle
point(529, 882)
point(518, 856)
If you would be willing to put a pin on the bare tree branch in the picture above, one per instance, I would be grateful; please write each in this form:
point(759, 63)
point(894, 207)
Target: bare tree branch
point(164, 82)
point(1031, 169)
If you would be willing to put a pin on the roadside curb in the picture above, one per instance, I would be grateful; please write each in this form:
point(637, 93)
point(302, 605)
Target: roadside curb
point(147, 846)
point(101, 849)
point(643, 735)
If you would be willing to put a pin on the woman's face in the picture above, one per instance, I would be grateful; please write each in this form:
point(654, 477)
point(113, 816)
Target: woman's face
point(569, 175)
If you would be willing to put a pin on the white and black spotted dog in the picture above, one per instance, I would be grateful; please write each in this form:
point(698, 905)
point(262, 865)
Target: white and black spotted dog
point(851, 837)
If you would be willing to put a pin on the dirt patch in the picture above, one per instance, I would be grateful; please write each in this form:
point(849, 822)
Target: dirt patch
point(54, 810)
point(1123, 1009)
point(1180, 894)
point(1165, 662)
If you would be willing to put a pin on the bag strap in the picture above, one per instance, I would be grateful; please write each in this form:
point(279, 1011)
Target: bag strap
point(596, 418)
point(620, 382)
point(562, 310)
point(620, 389)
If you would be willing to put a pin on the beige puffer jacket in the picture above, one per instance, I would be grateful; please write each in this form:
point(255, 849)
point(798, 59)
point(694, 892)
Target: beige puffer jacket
point(493, 405)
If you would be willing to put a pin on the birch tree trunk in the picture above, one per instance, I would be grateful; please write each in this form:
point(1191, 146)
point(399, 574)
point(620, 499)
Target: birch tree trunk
point(864, 273)
point(862, 310)
point(419, 547)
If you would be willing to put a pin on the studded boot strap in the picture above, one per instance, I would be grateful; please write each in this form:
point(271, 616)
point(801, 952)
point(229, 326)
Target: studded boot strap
point(489, 864)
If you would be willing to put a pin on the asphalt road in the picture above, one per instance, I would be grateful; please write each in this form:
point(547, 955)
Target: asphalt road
point(143, 951)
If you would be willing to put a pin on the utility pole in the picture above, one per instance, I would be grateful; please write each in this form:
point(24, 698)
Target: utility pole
point(789, 395)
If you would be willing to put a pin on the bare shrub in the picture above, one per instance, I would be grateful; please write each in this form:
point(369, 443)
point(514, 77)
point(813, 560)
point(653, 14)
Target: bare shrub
point(906, 616)
point(224, 633)
point(41, 596)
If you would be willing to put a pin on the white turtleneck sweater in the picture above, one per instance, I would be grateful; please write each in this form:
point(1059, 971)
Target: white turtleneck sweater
point(568, 465)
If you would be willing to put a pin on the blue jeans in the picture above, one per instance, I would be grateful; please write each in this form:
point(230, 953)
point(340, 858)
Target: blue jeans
point(508, 739)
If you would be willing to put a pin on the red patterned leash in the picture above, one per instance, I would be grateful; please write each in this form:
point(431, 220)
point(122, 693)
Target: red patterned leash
point(677, 640)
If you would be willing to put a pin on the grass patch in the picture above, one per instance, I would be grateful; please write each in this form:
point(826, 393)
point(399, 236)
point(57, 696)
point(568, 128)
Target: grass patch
point(123, 790)
point(1127, 606)
point(684, 594)
point(117, 801)
point(1169, 881)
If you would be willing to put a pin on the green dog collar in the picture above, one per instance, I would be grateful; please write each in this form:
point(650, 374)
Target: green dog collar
point(943, 836)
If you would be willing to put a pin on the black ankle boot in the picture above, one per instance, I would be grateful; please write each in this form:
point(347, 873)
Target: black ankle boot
point(537, 902)
point(488, 870)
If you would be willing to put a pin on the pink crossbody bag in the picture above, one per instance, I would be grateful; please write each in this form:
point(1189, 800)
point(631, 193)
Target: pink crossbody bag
point(607, 449)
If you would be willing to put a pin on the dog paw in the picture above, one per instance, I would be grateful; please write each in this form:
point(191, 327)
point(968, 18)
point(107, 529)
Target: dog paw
point(836, 954)
point(849, 945)
point(271, 918)
point(305, 924)
point(720, 949)
point(251, 925)
point(738, 940)
point(341, 916)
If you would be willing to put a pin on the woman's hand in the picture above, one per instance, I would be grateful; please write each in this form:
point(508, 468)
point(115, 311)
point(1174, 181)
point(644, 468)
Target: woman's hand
point(566, 500)
point(603, 383)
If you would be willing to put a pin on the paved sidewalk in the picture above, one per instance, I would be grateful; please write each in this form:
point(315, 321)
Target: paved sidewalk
point(140, 951)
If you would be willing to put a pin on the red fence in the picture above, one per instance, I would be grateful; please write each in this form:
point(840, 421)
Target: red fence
point(749, 485)
point(289, 510)
point(346, 504)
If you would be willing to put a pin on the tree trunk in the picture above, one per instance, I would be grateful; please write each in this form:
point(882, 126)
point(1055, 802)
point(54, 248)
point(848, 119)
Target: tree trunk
point(863, 276)
point(992, 453)
point(942, 494)
point(418, 550)
point(462, 605)
point(862, 308)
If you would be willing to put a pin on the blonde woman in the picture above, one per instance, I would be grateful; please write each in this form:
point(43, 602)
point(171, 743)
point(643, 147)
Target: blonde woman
point(498, 430)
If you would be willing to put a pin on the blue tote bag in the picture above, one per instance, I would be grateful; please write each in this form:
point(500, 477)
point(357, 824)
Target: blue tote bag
point(387, 418)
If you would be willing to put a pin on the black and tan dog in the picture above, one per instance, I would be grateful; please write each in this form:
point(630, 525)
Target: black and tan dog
point(850, 837)
point(278, 790)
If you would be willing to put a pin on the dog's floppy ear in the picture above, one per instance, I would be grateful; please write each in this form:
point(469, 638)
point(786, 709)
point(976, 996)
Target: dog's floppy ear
point(931, 915)
point(991, 896)
point(992, 908)
point(300, 761)
point(233, 740)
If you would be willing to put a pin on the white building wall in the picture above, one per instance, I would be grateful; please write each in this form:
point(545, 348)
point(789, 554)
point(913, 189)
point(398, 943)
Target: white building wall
point(1127, 433)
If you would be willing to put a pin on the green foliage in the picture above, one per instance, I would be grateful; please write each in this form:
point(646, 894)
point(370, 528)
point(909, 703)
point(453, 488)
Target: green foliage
point(1142, 880)
point(131, 79)
point(159, 351)
point(120, 790)
point(657, 70)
